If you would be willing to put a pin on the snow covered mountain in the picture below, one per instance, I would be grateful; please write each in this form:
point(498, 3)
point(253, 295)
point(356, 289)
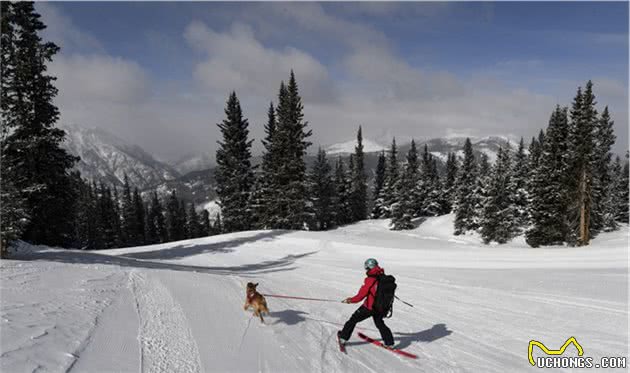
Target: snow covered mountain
point(108, 158)
point(439, 147)
point(347, 147)
point(194, 162)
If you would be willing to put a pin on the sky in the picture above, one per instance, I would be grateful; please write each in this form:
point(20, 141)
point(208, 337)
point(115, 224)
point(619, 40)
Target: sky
point(157, 74)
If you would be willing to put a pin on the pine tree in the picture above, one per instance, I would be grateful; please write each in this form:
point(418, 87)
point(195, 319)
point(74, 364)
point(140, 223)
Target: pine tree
point(109, 219)
point(379, 182)
point(464, 201)
point(389, 189)
point(581, 130)
point(157, 232)
point(450, 181)
point(520, 179)
point(265, 191)
point(194, 226)
point(621, 202)
point(429, 196)
point(359, 182)
point(234, 174)
point(480, 192)
point(549, 193)
point(348, 180)
point(499, 215)
point(602, 214)
point(322, 193)
point(117, 217)
point(173, 219)
point(36, 180)
point(217, 227)
point(206, 229)
point(138, 203)
point(344, 211)
point(128, 215)
point(291, 136)
point(183, 219)
point(84, 216)
point(403, 209)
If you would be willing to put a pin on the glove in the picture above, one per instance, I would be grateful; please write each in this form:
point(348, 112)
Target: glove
point(347, 300)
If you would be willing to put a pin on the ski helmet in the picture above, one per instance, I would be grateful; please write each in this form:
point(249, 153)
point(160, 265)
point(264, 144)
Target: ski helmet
point(370, 263)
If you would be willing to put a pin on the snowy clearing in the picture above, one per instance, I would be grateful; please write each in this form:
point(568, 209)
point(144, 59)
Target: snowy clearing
point(178, 307)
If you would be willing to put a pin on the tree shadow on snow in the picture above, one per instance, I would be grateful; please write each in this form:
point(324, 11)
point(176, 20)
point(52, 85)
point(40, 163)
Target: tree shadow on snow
point(183, 251)
point(404, 340)
point(289, 317)
point(285, 263)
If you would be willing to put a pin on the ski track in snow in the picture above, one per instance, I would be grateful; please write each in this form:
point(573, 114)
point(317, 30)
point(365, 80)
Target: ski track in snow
point(165, 338)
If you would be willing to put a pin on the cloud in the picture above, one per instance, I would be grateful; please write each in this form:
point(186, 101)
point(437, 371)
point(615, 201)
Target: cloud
point(235, 60)
point(362, 81)
point(99, 79)
point(61, 30)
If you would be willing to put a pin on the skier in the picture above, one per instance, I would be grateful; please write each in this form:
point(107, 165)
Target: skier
point(367, 291)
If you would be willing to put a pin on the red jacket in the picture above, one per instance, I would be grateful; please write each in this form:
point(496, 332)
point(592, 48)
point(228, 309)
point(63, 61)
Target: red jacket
point(368, 290)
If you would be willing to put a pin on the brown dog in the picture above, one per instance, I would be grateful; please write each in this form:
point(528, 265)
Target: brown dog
point(255, 300)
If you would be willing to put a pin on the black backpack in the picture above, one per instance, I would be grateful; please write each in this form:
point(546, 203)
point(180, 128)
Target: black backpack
point(384, 297)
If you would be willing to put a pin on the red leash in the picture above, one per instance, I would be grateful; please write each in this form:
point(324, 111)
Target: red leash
point(302, 298)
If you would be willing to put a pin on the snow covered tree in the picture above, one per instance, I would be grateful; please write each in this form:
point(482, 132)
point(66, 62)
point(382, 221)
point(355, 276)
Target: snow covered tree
point(264, 195)
point(533, 160)
point(343, 207)
point(217, 226)
point(156, 227)
point(403, 209)
point(581, 147)
point(464, 198)
point(138, 203)
point(206, 229)
point(519, 180)
point(358, 192)
point(602, 214)
point(621, 190)
point(234, 174)
point(35, 168)
point(288, 208)
point(109, 221)
point(499, 216)
point(322, 193)
point(192, 222)
point(174, 221)
point(389, 188)
point(128, 214)
point(549, 192)
point(450, 181)
point(480, 192)
point(86, 216)
point(428, 199)
point(379, 182)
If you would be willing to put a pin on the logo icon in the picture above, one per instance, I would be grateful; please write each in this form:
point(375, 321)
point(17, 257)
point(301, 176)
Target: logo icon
point(560, 351)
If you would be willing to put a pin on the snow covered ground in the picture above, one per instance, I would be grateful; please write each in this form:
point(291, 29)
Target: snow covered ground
point(177, 307)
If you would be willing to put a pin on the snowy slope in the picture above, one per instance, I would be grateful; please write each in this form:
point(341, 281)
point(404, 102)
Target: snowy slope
point(107, 157)
point(178, 306)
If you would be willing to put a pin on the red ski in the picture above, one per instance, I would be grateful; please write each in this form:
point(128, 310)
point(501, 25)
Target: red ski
point(396, 351)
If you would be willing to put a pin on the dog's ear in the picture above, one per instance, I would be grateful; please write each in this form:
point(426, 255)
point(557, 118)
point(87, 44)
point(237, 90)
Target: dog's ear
point(256, 284)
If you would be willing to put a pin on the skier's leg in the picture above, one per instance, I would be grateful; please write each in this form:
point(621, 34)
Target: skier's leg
point(359, 315)
point(386, 334)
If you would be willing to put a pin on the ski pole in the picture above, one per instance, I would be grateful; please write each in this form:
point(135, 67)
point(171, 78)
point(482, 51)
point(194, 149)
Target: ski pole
point(301, 298)
point(409, 304)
